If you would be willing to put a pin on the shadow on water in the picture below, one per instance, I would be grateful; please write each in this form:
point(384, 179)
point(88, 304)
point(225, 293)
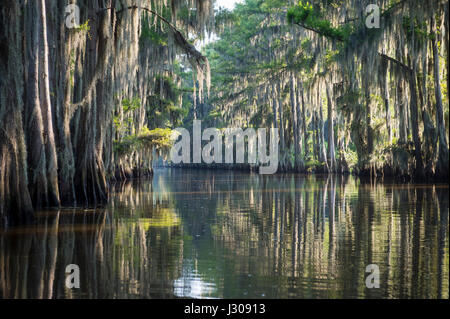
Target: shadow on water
point(212, 234)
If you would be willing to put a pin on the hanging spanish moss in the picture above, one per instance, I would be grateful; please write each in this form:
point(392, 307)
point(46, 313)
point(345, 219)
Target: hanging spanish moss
point(71, 97)
point(347, 98)
point(82, 106)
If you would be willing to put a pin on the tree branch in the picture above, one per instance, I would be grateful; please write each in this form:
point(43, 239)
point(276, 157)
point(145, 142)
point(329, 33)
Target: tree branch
point(190, 50)
point(397, 62)
point(382, 55)
point(145, 9)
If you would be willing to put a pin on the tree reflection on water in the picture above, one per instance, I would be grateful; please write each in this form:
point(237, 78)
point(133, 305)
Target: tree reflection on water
point(206, 234)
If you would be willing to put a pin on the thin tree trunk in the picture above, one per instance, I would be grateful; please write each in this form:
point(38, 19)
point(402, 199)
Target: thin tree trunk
point(331, 149)
point(295, 123)
point(281, 128)
point(304, 128)
point(275, 106)
point(323, 151)
point(402, 117)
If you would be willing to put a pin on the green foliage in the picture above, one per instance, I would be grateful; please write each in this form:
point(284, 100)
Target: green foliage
point(305, 15)
point(269, 6)
point(224, 17)
point(348, 101)
point(158, 139)
point(124, 122)
point(330, 57)
point(85, 27)
point(263, 116)
point(351, 158)
point(313, 163)
point(416, 28)
point(214, 116)
point(130, 105)
point(162, 110)
point(153, 33)
point(300, 13)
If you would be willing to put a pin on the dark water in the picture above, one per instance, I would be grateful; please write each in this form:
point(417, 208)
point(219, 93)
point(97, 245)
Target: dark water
point(204, 234)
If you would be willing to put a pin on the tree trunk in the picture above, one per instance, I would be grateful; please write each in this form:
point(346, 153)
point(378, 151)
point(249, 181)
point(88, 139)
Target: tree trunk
point(331, 148)
point(316, 130)
point(384, 88)
point(402, 117)
point(298, 164)
point(15, 201)
point(323, 151)
point(429, 131)
point(443, 146)
point(50, 146)
point(36, 140)
point(281, 128)
point(415, 125)
point(304, 128)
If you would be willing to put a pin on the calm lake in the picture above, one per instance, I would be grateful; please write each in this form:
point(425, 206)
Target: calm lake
point(223, 234)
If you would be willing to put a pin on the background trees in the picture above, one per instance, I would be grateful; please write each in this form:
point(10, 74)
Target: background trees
point(346, 97)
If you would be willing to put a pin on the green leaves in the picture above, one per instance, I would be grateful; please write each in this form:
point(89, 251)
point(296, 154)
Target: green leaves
point(159, 139)
point(300, 13)
point(123, 121)
point(416, 28)
point(306, 16)
point(85, 27)
point(130, 105)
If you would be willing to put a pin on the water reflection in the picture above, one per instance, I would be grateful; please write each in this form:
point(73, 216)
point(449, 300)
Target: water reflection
point(203, 234)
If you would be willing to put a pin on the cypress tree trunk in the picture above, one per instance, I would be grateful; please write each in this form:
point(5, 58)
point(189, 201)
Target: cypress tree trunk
point(50, 146)
point(281, 128)
point(368, 120)
point(429, 131)
point(315, 129)
point(35, 123)
point(275, 107)
point(402, 117)
point(331, 148)
point(14, 194)
point(304, 128)
point(443, 146)
point(298, 164)
point(384, 88)
point(415, 125)
point(323, 151)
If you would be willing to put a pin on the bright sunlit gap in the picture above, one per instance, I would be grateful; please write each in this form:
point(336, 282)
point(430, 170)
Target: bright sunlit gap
point(228, 4)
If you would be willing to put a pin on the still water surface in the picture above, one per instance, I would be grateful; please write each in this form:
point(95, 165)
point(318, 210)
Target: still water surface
point(220, 234)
